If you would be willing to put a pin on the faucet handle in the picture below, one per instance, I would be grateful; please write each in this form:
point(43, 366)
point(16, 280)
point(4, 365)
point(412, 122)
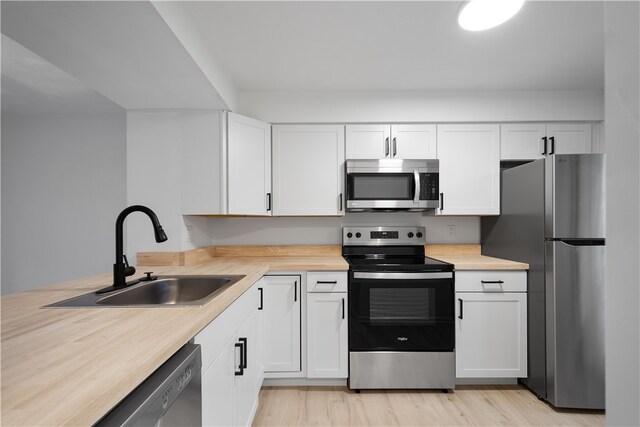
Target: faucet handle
point(128, 270)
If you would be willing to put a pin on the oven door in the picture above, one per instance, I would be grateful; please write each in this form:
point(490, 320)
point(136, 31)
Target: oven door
point(393, 311)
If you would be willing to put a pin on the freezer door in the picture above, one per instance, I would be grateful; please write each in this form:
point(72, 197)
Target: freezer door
point(574, 196)
point(575, 325)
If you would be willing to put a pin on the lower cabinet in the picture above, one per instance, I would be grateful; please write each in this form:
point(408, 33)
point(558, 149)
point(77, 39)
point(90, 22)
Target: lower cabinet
point(491, 324)
point(281, 308)
point(327, 343)
point(232, 363)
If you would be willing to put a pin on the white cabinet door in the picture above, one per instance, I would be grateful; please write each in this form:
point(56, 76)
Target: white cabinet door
point(522, 141)
point(249, 165)
point(218, 389)
point(569, 138)
point(469, 169)
point(308, 170)
point(413, 141)
point(249, 380)
point(368, 141)
point(491, 335)
point(281, 323)
point(327, 339)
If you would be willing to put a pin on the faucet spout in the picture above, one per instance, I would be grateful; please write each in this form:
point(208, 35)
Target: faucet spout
point(121, 268)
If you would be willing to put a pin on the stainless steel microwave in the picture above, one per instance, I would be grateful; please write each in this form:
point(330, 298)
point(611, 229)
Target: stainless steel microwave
point(392, 185)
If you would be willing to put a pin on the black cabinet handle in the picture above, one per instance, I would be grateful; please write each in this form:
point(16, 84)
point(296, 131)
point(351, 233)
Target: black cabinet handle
point(460, 302)
point(241, 365)
point(326, 282)
point(394, 146)
point(268, 202)
point(340, 198)
point(486, 282)
point(244, 350)
point(553, 144)
point(295, 291)
point(544, 145)
point(441, 202)
point(386, 147)
point(261, 299)
point(343, 308)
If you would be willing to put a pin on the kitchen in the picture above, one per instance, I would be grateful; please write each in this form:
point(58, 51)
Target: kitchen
point(151, 102)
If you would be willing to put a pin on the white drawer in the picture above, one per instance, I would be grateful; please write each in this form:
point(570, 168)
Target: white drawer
point(327, 281)
point(491, 281)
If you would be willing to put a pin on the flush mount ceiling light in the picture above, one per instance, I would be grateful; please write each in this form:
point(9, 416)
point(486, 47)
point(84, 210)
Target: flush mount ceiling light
point(478, 15)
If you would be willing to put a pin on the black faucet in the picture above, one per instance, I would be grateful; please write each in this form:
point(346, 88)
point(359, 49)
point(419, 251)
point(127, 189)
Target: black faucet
point(121, 268)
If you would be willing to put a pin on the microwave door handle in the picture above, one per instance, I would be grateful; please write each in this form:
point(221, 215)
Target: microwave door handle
point(416, 193)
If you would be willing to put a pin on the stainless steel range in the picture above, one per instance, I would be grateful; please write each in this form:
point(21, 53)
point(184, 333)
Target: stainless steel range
point(401, 311)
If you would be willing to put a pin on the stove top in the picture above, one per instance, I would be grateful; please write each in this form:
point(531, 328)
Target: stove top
point(388, 249)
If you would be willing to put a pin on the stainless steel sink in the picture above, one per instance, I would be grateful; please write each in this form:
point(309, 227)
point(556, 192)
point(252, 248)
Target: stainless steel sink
point(165, 291)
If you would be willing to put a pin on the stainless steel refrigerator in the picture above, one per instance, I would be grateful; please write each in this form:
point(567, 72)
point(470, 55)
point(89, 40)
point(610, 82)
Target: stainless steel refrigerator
point(552, 217)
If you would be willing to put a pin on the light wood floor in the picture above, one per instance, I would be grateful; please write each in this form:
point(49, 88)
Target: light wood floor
point(505, 405)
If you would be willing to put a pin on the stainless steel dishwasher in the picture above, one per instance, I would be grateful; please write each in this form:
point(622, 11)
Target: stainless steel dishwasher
point(171, 396)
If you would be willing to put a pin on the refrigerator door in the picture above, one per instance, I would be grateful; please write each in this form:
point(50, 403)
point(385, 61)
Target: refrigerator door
point(575, 196)
point(575, 324)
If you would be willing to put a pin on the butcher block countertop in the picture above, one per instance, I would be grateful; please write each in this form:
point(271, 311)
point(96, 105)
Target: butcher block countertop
point(70, 366)
point(469, 257)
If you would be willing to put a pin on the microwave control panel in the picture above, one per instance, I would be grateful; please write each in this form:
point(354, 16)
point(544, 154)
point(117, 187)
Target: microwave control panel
point(429, 186)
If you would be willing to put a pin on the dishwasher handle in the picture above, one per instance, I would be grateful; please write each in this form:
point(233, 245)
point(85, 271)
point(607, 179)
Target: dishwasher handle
point(148, 403)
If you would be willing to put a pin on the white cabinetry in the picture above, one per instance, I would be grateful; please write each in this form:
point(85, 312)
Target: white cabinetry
point(281, 315)
point(415, 141)
point(327, 330)
point(226, 165)
point(469, 157)
point(308, 170)
point(232, 371)
point(530, 141)
point(491, 324)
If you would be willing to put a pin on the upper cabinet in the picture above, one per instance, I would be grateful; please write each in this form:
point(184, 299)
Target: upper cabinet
point(249, 165)
point(308, 170)
point(226, 165)
point(469, 157)
point(391, 141)
point(530, 141)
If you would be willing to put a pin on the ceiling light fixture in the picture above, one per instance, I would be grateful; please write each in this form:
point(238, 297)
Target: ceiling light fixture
point(479, 15)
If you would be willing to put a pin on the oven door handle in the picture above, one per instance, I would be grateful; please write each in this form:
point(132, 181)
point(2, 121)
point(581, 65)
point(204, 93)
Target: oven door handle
point(416, 193)
point(402, 276)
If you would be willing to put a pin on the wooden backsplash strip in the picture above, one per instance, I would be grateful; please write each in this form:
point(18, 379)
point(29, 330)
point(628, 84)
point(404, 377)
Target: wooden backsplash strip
point(432, 250)
point(281, 250)
point(160, 258)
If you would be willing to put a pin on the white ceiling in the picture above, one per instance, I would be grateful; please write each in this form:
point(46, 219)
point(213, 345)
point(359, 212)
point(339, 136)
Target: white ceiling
point(398, 46)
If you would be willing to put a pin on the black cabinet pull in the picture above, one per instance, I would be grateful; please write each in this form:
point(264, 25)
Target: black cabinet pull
point(241, 365)
point(295, 291)
point(343, 308)
point(553, 144)
point(486, 282)
point(261, 299)
point(460, 302)
point(340, 202)
point(386, 147)
point(441, 201)
point(244, 350)
point(544, 145)
point(268, 202)
point(326, 282)
point(394, 147)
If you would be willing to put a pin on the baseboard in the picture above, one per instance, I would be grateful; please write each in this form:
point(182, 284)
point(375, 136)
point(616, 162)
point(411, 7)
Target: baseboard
point(304, 382)
point(486, 381)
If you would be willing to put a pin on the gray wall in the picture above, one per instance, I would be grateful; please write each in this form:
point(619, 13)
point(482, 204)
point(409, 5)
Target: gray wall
point(622, 136)
point(328, 231)
point(63, 183)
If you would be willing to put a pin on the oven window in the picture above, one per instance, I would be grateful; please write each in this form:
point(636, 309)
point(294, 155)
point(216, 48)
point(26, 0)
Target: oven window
point(413, 305)
point(381, 186)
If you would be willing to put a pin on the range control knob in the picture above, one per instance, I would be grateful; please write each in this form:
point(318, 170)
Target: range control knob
point(349, 235)
point(418, 234)
point(358, 235)
point(410, 235)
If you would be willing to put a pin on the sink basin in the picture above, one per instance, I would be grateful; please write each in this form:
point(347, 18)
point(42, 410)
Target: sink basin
point(165, 291)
